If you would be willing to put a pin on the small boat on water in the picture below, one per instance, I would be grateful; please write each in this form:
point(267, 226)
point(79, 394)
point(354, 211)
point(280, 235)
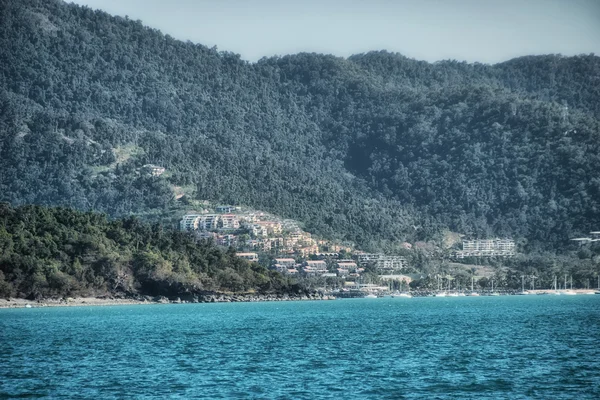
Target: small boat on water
point(473, 294)
point(371, 296)
point(440, 294)
point(568, 292)
point(453, 294)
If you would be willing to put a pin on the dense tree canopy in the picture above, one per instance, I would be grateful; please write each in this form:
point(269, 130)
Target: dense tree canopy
point(376, 148)
point(55, 252)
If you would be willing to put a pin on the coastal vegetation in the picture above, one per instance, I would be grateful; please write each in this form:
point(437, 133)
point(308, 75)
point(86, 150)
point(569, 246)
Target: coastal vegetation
point(376, 149)
point(59, 252)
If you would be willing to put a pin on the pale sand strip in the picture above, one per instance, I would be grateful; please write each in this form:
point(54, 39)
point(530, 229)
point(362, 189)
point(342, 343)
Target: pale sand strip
point(70, 302)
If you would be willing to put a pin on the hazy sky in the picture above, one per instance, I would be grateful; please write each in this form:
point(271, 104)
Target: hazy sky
point(487, 31)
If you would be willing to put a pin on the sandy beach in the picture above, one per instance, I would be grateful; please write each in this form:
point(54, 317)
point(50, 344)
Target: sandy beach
point(70, 302)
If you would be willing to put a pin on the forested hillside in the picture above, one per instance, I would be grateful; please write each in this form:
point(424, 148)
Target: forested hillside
point(58, 252)
point(376, 148)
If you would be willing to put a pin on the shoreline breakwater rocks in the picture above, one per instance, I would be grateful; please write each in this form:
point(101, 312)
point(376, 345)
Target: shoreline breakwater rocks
point(246, 298)
point(107, 300)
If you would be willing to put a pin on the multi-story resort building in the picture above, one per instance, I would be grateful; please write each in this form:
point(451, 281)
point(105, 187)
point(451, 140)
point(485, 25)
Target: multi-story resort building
point(199, 222)
point(209, 222)
point(258, 230)
point(273, 228)
point(288, 262)
point(346, 267)
point(315, 267)
point(308, 250)
point(299, 238)
point(226, 240)
point(382, 262)
point(229, 221)
point(285, 266)
point(487, 248)
point(189, 222)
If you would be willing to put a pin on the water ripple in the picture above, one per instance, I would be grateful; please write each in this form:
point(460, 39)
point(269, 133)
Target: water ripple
point(484, 348)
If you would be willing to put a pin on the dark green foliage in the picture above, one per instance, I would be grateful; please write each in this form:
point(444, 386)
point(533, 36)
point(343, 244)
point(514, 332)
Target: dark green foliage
point(377, 148)
point(61, 252)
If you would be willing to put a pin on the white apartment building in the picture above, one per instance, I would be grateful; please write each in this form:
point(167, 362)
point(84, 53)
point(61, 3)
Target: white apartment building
point(487, 248)
point(229, 221)
point(382, 262)
point(347, 265)
point(288, 262)
point(315, 267)
point(273, 228)
point(208, 222)
point(189, 222)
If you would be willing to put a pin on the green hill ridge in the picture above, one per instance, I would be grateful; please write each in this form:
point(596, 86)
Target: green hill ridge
point(375, 149)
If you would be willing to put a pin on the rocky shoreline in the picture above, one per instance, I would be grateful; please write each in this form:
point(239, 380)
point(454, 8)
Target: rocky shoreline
point(136, 300)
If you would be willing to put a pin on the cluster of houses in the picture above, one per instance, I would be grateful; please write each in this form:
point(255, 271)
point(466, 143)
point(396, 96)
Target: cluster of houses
point(328, 266)
point(486, 248)
point(255, 231)
point(323, 268)
point(296, 252)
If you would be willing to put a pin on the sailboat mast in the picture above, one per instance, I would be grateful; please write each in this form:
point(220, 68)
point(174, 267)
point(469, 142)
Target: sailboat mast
point(522, 283)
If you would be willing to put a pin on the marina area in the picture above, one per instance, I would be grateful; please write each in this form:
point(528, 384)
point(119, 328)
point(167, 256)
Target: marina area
point(441, 293)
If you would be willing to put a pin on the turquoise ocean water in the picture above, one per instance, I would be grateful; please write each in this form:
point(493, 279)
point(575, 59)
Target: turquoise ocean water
point(518, 347)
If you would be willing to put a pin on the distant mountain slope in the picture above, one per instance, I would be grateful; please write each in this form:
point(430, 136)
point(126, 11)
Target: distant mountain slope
point(376, 148)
